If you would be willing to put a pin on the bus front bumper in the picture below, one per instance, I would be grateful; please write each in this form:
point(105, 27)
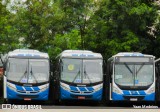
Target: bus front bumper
point(41, 95)
point(67, 95)
point(121, 97)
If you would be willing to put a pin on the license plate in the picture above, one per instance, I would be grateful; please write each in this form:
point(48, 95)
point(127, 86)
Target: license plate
point(133, 99)
point(27, 99)
point(81, 97)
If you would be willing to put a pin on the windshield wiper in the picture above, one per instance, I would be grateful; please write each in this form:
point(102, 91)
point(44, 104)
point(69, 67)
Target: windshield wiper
point(78, 73)
point(128, 68)
point(33, 75)
point(137, 71)
point(140, 68)
point(24, 75)
point(86, 75)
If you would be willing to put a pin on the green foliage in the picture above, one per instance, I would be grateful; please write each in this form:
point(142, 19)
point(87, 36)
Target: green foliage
point(66, 41)
point(122, 26)
point(104, 26)
point(77, 13)
point(8, 32)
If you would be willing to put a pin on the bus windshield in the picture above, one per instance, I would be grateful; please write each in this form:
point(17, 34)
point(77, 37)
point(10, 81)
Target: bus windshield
point(81, 70)
point(141, 74)
point(28, 70)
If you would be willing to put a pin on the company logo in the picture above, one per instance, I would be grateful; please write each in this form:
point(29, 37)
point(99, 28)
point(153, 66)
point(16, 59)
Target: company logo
point(6, 106)
point(27, 92)
point(9, 106)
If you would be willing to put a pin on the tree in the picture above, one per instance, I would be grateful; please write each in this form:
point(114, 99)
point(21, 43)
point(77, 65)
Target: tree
point(62, 42)
point(32, 23)
point(77, 13)
point(122, 26)
point(106, 26)
point(8, 38)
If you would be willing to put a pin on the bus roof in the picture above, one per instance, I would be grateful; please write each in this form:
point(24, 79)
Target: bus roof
point(27, 53)
point(135, 54)
point(80, 54)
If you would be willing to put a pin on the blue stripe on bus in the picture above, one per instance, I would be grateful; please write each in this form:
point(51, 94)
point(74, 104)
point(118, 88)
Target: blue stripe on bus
point(142, 93)
point(82, 89)
point(134, 54)
point(19, 88)
point(28, 54)
point(74, 54)
point(28, 88)
point(36, 55)
point(90, 55)
point(126, 92)
point(90, 88)
point(134, 92)
point(36, 88)
point(20, 55)
point(73, 88)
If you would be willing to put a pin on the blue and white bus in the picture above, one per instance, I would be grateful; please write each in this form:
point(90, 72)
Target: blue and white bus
point(130, 77)
point(26, 75)
point(78, 76)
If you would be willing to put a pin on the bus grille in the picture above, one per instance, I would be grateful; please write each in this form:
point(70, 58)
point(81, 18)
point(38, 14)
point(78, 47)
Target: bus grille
point(88, 92)
point(34, 92)
point(28, 96)
point(75, 91)
point(139, 98)
point(86, 96)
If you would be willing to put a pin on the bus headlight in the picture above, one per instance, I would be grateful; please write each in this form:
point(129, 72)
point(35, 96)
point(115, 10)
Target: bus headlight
point(65, 86)
point(150, 90)
point(98, 87)
point(11, 86)
point(116, 90)
point(43, 87)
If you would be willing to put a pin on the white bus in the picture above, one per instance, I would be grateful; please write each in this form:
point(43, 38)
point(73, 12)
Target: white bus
point(26, 75)
point(79, 76)
point(130, 77)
